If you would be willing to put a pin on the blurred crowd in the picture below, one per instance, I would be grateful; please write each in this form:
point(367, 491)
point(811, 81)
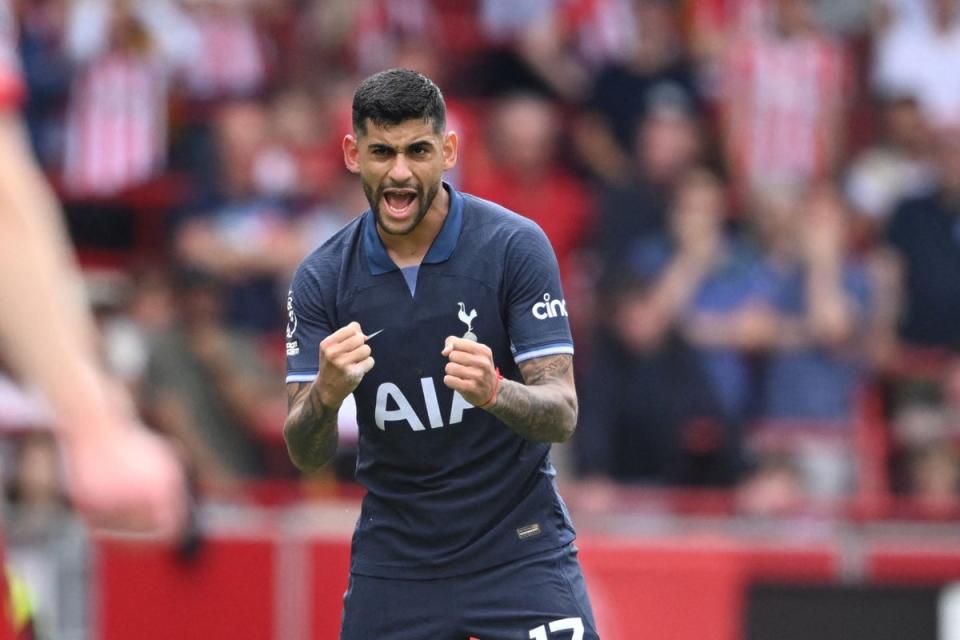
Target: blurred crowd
point(755, 205)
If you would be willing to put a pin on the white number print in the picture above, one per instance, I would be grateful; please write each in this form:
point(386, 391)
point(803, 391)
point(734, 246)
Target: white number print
point(564, 624)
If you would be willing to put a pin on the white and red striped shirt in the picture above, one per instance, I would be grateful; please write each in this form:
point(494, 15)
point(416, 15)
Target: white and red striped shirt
point(116, 124)
point(784, 98)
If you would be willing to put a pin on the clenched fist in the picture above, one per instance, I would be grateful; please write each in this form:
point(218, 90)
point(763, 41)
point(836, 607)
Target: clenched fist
point(471, 371)
point(344, 360)
point(125, 478)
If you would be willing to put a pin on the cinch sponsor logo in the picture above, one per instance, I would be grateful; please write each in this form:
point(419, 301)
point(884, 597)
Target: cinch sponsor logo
point(549, 308)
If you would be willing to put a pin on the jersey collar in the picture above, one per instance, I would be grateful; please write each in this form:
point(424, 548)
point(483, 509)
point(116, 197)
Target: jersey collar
point(440, 251)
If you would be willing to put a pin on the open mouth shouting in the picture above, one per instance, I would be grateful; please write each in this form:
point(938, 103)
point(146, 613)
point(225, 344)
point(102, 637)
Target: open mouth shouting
point(400, 205)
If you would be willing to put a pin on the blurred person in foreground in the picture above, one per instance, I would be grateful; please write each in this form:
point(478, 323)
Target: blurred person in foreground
point(119, 475)
point(473, 380)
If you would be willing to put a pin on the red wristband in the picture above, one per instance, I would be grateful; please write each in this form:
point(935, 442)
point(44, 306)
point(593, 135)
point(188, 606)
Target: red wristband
point(493, 395)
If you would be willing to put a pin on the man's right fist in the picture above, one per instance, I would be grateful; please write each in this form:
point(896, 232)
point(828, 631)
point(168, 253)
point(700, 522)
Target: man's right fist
point(344, 360)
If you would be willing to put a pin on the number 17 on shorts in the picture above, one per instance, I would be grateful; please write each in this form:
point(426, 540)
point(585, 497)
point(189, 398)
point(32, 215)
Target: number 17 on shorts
point(564, 624)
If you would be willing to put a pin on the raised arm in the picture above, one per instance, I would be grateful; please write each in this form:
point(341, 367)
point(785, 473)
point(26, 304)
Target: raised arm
point(542, 408)
point(119, 474)
point(310, 430)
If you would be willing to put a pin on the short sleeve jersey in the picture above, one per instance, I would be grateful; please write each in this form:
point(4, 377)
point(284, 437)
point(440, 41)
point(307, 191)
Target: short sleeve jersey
point(12, 89)
point(450, 488)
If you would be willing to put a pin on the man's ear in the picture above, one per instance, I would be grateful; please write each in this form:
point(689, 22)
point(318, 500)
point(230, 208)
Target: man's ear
point(451, 146)
point(351, 153)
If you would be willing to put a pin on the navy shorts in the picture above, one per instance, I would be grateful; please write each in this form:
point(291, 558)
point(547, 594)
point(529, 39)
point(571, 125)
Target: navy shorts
point(540, 597)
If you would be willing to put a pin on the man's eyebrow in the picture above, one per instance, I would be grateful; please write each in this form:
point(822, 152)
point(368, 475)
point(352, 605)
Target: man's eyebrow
point(377, 144)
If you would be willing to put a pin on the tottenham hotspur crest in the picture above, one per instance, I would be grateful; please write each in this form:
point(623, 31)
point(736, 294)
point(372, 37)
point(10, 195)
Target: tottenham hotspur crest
point(467, 319)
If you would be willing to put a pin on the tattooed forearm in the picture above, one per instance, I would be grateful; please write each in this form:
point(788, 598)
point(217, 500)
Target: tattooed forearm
point(544, 409)
point(310, 430)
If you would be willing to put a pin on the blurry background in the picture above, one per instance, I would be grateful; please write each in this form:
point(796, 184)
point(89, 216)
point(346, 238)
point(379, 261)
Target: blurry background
point(756, 209)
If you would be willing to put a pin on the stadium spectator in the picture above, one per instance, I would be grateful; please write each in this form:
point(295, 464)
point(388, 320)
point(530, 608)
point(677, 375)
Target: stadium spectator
point(530, 49)
point(561, 44)
point(649, 413)
point(668, 143)
point(713, 281)
point(635, 429)
point(821, 298)
point(784, 98)
point(336, 35)
point(125, 54)
point(523, 172)
point(918, 53)
point(48, 73)
point(897, 166)
point(230, 61)
point(924, 233)
point(207, 386)
point(820, 303)
point(242, 231)
point(926, 430)
point(625, 92)
point(715, 24)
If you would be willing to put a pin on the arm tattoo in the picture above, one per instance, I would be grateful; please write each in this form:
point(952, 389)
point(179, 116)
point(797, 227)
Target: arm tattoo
point(544, 407)
point(310, 430)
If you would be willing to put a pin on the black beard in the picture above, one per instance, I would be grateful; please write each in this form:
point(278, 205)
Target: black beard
point(374, 199)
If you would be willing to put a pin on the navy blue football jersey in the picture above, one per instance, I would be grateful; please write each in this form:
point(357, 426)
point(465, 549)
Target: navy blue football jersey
point(450, 488)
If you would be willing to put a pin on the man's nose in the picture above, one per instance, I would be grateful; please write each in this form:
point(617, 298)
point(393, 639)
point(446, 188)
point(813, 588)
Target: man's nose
point(400, 171)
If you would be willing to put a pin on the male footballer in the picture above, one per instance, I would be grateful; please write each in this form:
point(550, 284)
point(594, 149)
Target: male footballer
point(443, 314)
